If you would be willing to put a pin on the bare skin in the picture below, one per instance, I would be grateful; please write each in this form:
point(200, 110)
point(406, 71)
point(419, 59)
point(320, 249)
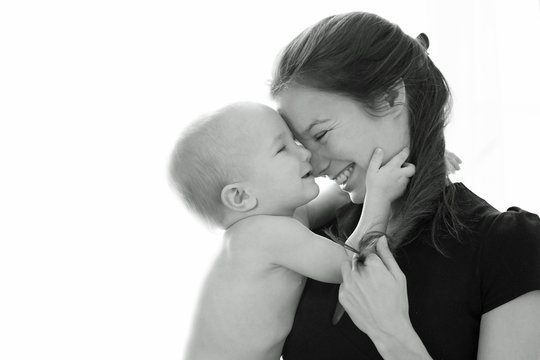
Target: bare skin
point(248, 303)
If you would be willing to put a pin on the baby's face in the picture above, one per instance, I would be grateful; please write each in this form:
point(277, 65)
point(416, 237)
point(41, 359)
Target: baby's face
point(279, 169)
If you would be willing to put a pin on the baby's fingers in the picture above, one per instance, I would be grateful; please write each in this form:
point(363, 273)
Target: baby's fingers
point(376, 160)
point(452, 157)
point(398, 160)
point(408, 169)
point(452, 162)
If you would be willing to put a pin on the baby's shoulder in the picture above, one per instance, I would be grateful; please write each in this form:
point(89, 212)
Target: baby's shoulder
point(264, 231)
point(268, 224)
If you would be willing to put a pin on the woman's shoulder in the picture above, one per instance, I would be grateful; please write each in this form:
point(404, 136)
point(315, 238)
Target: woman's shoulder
point(507, 250)
point(514, 222)
point(512, 235)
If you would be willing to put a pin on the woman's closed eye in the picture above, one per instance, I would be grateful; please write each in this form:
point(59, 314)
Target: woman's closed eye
point(320, 135)
point(283, 148)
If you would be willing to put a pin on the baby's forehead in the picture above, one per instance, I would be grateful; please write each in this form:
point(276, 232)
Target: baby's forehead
point(255, 120)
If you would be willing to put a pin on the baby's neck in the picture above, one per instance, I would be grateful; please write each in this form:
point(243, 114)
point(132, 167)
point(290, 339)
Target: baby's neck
point(234, 221)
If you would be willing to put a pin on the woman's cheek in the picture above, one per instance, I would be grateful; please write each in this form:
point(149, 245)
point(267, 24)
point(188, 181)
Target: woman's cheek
point(357, 195)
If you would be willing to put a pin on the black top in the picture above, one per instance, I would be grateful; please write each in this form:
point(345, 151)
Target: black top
point(447, 295)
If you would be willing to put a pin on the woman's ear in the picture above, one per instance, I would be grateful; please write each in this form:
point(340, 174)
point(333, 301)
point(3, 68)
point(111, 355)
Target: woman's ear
point(396, 95)
point(238, 198)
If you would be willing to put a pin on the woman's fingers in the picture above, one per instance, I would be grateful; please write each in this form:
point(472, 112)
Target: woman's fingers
point(354, 262)
point(372, 295)
point(346, 268)
point(388, 258)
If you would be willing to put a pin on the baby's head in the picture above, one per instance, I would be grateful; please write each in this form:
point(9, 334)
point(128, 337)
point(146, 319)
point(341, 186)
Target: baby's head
point(239, 161)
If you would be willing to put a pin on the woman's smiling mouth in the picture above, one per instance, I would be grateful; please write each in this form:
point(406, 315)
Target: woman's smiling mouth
point(342, 177)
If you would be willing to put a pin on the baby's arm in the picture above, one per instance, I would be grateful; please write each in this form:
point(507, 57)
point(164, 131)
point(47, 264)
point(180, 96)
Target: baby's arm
point(289, 244)
point(295, 247)
point(383, 186)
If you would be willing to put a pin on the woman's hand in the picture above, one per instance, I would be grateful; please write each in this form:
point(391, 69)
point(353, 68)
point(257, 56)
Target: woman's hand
point(374, 294)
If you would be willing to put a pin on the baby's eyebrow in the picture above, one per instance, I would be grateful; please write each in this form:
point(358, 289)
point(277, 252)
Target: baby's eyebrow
point(278, 139)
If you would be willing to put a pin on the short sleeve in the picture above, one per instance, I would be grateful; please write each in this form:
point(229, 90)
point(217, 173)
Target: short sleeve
point(510, 258)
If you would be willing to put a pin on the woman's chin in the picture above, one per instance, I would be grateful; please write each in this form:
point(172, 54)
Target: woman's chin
point(357, 196)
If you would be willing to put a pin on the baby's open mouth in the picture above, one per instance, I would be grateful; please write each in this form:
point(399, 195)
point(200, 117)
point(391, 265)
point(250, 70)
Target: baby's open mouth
point(308, 174)
point(343, 176)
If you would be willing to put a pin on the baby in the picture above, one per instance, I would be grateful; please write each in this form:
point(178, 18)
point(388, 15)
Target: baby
point(239, 168)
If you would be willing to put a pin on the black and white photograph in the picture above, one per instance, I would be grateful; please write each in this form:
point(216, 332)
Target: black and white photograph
point(284, 180)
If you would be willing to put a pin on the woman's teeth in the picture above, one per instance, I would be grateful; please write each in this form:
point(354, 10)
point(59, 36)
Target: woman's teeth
point(343, 176)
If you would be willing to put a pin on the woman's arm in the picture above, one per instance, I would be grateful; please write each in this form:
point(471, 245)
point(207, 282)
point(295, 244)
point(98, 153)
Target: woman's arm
point(512, 330)
point(374, 294)
point(510, 269)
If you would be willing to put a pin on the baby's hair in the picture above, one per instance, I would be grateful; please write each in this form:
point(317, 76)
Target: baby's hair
point(200, 167)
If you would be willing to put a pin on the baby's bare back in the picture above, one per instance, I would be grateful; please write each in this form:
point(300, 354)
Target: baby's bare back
point(247, 305)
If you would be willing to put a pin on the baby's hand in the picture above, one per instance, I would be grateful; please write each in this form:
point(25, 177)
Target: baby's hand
point(452, 162)
point(390, 180)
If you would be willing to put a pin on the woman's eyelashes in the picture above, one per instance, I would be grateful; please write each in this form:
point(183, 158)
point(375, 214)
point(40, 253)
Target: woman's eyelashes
point(320, 135)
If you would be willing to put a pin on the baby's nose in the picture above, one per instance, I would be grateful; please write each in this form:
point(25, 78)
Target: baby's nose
point(306, 154)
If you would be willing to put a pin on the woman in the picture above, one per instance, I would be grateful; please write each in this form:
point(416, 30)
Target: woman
point(355, 82)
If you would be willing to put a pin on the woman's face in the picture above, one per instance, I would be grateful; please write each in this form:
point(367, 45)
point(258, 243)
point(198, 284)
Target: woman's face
point(341, 134)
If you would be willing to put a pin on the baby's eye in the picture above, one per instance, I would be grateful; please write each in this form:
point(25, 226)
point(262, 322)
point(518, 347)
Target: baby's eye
point(318, 136)
point(281, 149)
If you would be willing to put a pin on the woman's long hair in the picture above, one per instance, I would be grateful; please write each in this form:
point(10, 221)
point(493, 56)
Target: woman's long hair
point(364, 57)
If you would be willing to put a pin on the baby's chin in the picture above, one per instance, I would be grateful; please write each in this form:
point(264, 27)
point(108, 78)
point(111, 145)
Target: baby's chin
point(316, 191)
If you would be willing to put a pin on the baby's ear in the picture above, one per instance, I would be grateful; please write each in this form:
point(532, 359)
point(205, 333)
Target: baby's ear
point(238, 198)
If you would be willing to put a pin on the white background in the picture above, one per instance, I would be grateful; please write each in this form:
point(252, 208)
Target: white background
point(98, 258)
